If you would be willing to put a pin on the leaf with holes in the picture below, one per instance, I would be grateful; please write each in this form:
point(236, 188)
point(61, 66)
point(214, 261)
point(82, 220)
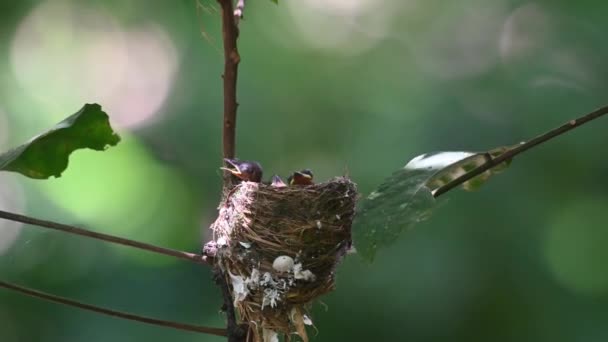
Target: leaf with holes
point(47, 154)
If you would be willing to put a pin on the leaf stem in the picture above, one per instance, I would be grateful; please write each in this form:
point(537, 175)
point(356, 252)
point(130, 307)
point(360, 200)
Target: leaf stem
point(104, 237)
point(113, 313)
point(524, 146)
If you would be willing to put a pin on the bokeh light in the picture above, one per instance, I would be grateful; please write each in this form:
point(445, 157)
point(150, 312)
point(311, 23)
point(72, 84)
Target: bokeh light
point(532, 41)
point(525, 32)
point(346, 27)
point(125, 192)
point(575, 246)
point(456, 41)
point(4, 129)
point(12, 199)
point(66, 53)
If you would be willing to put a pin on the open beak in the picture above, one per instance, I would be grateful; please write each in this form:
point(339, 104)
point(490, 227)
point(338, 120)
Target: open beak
point(277, 182)
point(233, 167)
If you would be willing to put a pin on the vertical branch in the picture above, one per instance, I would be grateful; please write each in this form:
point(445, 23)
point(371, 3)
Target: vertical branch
point(230, 33)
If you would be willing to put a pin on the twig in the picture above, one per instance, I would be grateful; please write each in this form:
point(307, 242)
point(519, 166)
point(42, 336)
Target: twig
point(104, 237)
point(524, 146)
point(230, 34)
point(113, 313)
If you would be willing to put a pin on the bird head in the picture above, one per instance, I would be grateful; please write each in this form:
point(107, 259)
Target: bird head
point(245, 170)
point(303, 177)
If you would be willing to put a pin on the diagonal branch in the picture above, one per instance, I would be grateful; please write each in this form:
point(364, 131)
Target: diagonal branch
point(524, 146)
point(113, 313)
point(104, 237)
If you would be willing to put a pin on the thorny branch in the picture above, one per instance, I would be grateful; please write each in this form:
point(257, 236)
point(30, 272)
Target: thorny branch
point(113, 313)
point(524, 146)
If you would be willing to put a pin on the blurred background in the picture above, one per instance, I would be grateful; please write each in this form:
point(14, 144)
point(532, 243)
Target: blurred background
point(356, 86)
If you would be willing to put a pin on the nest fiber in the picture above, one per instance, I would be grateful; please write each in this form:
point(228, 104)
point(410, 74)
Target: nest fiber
point(279, 246)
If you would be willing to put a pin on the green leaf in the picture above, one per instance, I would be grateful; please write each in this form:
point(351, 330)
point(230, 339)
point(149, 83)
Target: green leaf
point(47, 154)
point(275, 1)
point(406, 197)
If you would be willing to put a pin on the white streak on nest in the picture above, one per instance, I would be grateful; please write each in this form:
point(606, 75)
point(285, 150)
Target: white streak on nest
point(241, 286)
point(222, 241)
point(267, 280)
point(271, 297)
point(270, 335)
point(319, 224)
point(300, 274)
point(274, 288)
point(254, 279)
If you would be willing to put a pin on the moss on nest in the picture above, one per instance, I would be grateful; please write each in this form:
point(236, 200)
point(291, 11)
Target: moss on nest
point(258, 223)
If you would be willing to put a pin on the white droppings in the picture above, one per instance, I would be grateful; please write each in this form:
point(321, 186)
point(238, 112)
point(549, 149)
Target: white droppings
point(267, 280)
point(254, 279)
point(270, 335)
point(271, 297)
point(239, 288)
point(300, 274)
point(319, 224)
point(222, 241)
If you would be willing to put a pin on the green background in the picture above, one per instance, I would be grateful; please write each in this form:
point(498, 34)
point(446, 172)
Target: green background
point(357, 86)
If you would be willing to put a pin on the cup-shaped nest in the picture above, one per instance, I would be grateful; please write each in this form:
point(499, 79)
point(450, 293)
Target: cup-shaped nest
point(279, 247)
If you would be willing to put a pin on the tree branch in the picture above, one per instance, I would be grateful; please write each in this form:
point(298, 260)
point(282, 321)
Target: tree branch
point(230, 33)
point(113, 313)
point(104, 237)
point(524, 146)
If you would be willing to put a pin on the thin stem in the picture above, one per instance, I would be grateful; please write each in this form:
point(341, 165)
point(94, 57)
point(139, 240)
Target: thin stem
point(113, 313)
point(230, 33)
point(524, 146)
point(104, 237)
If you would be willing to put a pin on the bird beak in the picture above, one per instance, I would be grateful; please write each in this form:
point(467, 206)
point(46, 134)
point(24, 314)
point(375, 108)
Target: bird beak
point(277, 182)
point(305, 175)
point(234, 168)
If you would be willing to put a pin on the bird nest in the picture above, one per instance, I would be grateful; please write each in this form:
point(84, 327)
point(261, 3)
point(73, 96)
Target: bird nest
point(278, 247)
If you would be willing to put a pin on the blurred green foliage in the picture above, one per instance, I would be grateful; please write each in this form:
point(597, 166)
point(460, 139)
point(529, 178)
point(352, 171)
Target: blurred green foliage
point(357, 87)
